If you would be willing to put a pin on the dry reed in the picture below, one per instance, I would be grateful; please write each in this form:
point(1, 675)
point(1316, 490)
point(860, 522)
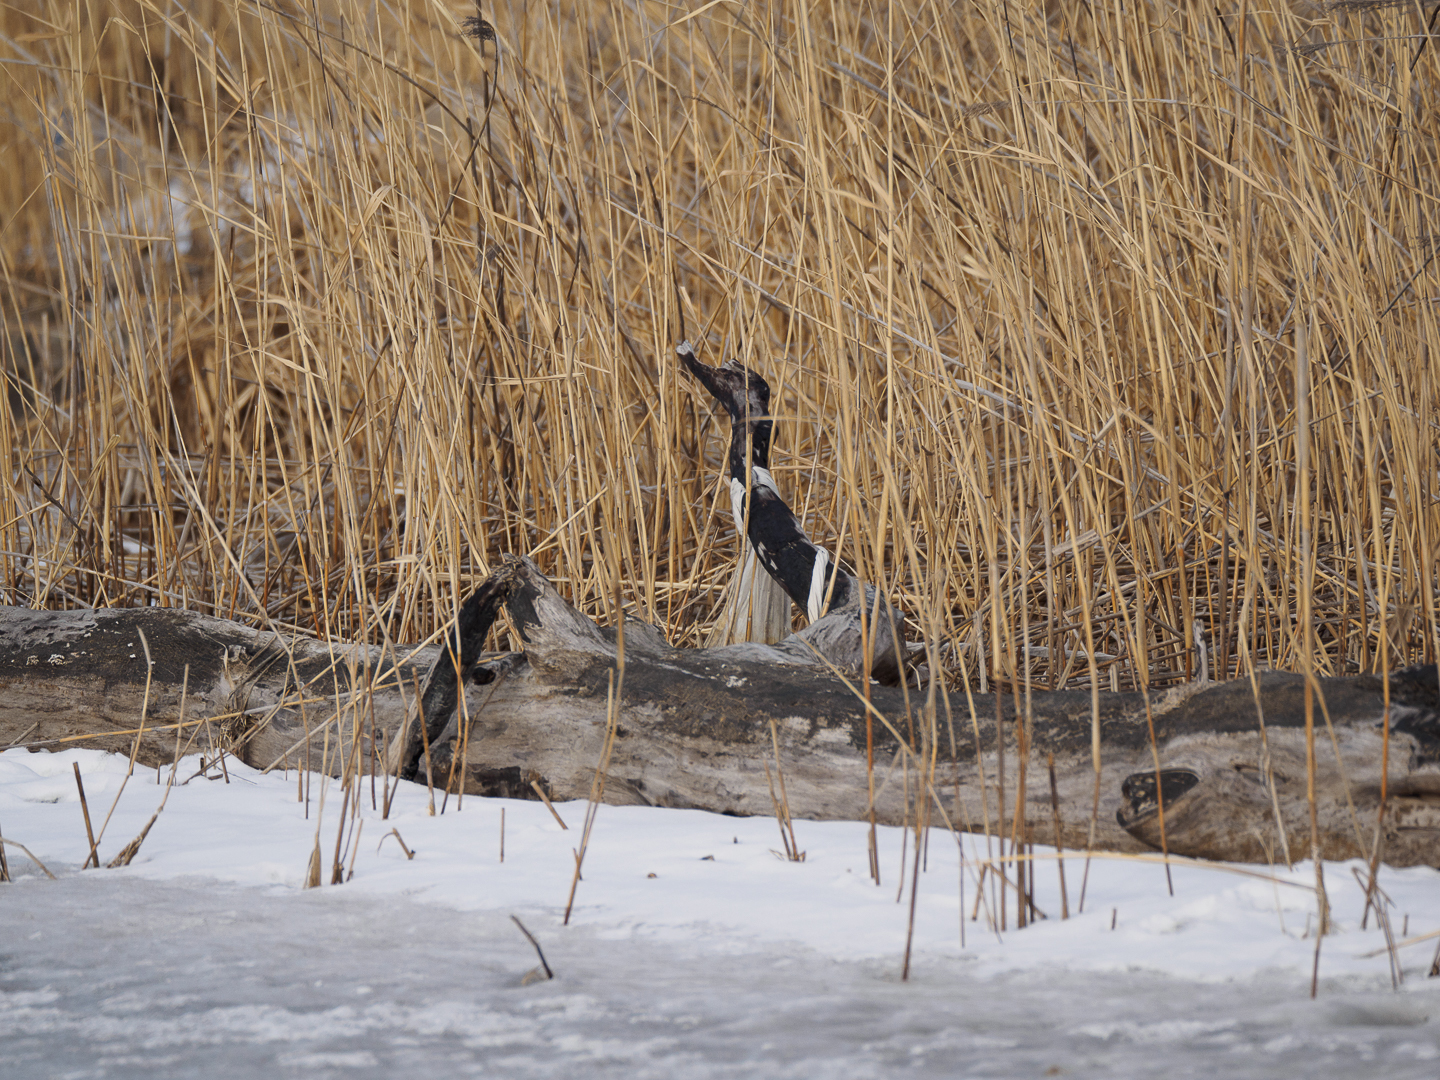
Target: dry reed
point(306, 324)
point(312, 311)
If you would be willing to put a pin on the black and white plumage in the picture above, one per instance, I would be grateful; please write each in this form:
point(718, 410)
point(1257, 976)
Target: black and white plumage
point(803, 569)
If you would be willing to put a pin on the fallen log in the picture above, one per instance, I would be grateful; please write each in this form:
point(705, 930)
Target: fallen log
point(695, 727)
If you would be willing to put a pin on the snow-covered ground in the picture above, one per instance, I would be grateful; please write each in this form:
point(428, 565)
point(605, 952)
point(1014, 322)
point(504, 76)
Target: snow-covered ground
point(693, 950)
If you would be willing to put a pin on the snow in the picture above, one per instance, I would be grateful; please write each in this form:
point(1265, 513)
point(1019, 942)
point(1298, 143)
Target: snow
point(692, 951)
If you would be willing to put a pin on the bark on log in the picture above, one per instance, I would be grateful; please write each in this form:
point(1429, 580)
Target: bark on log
point(695, 726)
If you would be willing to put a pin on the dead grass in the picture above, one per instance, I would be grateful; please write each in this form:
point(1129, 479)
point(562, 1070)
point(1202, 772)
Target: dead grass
point(306, 324)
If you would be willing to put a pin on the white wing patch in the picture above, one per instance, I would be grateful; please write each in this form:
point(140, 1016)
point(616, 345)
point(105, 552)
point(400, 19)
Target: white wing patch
point(815, 602)
point(737, 505)
point(763, 479)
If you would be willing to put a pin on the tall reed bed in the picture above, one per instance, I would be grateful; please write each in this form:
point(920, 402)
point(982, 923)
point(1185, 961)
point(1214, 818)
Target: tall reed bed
point(312, 310)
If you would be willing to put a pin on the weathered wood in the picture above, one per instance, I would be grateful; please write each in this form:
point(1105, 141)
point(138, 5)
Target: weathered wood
point(79, 678)
point(695, 727)
point(753, 606)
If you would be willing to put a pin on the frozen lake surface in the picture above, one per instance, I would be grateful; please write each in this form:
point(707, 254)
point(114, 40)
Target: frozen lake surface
point(206, 957)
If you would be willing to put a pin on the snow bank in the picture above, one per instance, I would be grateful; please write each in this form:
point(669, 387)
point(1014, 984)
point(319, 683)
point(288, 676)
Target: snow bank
point(706, 882)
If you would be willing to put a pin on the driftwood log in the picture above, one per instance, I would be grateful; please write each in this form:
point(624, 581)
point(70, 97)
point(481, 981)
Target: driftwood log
point(695, 727)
